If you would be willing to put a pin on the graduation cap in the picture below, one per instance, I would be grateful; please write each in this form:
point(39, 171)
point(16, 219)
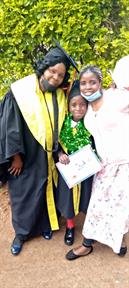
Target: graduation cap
point(54, 56)
point(75, 90)
point(69, 58)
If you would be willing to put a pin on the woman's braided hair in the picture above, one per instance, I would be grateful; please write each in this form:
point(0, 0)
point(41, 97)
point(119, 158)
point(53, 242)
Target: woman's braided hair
point(92, 69)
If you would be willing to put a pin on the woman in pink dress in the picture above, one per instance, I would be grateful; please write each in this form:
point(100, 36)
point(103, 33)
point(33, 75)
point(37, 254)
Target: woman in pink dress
point(107, 119)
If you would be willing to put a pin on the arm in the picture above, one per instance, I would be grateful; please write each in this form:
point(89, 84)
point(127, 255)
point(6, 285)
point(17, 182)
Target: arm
point(11, 134)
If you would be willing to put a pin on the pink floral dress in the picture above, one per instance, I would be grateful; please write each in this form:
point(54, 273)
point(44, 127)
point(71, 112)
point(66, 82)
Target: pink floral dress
point(107, 218)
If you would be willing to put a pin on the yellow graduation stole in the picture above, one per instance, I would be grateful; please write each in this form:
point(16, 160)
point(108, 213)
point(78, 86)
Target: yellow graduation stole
point(33, 108)
point(76, 190)
point(76, 198)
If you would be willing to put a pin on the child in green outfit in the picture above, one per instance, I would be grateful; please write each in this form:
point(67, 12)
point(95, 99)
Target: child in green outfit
point(73, 136)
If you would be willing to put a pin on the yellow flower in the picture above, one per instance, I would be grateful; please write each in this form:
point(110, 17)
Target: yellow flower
point(74, 131)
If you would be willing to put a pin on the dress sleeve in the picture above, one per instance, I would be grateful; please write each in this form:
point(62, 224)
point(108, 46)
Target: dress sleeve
point(11, 136)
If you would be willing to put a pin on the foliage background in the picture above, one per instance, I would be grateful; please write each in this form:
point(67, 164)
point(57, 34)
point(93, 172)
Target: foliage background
point(91, 31)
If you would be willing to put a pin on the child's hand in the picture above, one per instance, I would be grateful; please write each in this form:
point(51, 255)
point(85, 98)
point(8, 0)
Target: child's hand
point(16, 165)
point(64, 159)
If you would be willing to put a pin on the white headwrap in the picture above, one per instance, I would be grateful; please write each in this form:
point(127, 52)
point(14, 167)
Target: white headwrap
point(120, 74)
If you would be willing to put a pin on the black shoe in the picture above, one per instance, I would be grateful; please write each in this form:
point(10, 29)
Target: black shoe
point(72, 256)
point(16, 246)
point(69, 236)
point(88, 242)
point(47, 234)
point(123, 251)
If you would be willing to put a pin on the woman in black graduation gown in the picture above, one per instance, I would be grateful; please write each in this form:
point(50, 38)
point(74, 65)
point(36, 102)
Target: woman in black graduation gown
point(31, 116)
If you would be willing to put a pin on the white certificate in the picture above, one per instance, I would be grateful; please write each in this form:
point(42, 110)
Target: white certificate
point(83, 164)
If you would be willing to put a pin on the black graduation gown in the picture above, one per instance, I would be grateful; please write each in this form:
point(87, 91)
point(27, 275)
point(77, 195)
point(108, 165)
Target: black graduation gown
point(28, 190)
point(65, 197)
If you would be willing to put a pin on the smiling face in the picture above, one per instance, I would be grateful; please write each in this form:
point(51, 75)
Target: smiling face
point(89, 83)
point(77, 107)
point(55, 74)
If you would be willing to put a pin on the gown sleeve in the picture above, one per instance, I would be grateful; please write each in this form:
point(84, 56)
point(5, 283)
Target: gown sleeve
point(11, 136)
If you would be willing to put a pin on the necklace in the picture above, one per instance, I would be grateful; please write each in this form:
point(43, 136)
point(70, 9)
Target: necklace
point(74, 138)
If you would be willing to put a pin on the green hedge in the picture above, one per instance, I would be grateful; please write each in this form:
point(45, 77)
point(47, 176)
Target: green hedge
point(92, 31)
